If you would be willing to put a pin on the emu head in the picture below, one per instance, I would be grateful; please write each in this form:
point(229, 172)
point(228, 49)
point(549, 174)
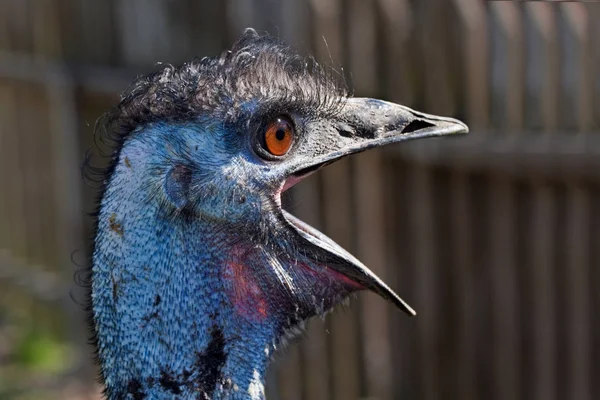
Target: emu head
point(198, 272)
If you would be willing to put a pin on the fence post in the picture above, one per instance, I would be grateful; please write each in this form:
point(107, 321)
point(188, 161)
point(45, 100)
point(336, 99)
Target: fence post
point(68, 206)
point(507, 86)
point(576, 80)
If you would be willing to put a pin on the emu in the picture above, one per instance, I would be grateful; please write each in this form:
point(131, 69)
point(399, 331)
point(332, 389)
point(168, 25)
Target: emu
point(198, 275)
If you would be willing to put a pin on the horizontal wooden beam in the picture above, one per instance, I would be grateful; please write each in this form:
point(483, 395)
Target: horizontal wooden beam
point(44, 71)
point(559, 155)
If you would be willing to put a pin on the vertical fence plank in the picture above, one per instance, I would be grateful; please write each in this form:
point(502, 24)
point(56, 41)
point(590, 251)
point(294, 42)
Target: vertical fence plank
point(399, 243)
point(576, 105)
point(13, 182)
point(367, 170)
point(594, 37)
point(506, 66)
point(542, 110)
point(594, 221)
point(593, 238)
point(46, 29)
point(298, 27)
point(5, 29)
point(307, 197)
point(542, 67)
point(542, 229)
point(31, 166)
point(97, 31)
point(22, 171)
point(462, 262)
point(19, 26)
point(504, 329)
point(578, 363)
point(474, 26)
point(370, 241)
point(46, 35)
point(328, 30)
point(476, 52)
point(44, 185)
point(345, 345)
point(473, 21)
point(576, 77)
point(68, 206)
point(360, 34)
point(208, 37)
point(432, 20)
point(240, 15)
point(344, 340)
point(396, 23)
point(7, 129)
point(433, 39)
point(424, 245)
point(150, 31)
point(288, 371)
point(507, 88)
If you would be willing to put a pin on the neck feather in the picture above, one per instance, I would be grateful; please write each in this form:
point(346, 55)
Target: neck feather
point(165, 320)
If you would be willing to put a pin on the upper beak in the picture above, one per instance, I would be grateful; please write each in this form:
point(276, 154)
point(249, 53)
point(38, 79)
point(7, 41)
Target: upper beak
point(367, 123)
point(378, 122)
point(363, 124)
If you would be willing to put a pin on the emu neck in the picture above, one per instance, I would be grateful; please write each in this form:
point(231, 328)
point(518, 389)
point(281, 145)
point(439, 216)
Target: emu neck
point(165, 321)
point(165, 324)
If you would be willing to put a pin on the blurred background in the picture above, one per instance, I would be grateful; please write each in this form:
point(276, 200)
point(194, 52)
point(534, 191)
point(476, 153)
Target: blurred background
point(493, 237)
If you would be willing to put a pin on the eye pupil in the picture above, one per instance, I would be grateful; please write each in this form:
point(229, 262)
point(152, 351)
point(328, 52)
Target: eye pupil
point(280, 135)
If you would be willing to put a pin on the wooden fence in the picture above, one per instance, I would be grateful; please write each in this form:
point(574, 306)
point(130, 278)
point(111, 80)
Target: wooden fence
point(494, 238)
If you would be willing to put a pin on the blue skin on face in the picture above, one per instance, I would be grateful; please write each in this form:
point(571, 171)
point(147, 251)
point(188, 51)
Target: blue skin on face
point(187, 297)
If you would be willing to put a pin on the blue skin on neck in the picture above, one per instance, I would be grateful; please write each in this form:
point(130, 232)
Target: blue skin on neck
point(190, 298)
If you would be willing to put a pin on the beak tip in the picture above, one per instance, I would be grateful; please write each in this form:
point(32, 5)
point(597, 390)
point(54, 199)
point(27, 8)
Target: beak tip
point(410, 311)
point(458, 126)
point(401, 304)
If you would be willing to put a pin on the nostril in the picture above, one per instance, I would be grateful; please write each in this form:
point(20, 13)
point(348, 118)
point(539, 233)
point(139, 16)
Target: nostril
point(345, 133)
point(416, 125)
point(348, 130)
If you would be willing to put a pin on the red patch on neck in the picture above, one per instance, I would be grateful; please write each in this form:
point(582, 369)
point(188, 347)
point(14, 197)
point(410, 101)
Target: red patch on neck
point(244, 292)
point(347, 281)
point(337, 276)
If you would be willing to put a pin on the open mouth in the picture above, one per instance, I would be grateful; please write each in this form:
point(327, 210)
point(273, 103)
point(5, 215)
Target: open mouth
point(344, 262)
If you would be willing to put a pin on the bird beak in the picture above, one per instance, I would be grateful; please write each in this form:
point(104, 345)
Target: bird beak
point(362, 124)
point(377, 123)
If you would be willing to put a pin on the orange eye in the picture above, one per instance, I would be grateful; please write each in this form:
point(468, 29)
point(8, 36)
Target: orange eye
point(278, 136)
